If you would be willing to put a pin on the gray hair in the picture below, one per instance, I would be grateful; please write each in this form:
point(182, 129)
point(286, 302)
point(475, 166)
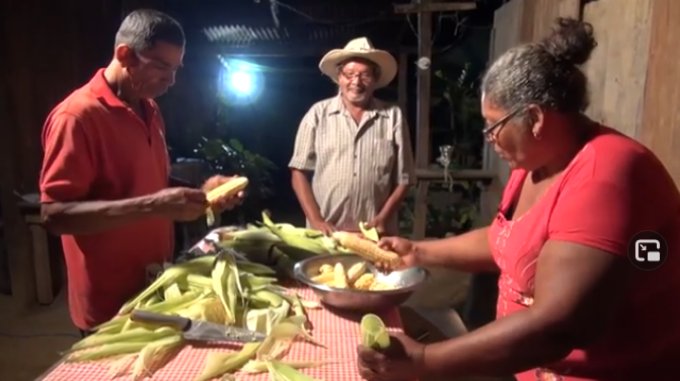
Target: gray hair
point(544, 73)
point(143, 28)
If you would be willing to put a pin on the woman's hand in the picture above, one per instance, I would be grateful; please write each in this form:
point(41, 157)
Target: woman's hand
point(404, 248)
point(403, 360)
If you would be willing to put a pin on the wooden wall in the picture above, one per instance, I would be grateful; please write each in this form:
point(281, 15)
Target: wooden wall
point(660, 126)
point(49, 49)
point(633, 74)
point(618, 66)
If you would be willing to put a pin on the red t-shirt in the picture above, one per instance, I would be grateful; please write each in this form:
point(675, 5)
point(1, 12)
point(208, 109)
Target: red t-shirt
point(613, 189)
point(97, 148)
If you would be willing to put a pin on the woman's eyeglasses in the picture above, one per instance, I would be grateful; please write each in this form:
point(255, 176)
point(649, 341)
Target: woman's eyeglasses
point(489, 131)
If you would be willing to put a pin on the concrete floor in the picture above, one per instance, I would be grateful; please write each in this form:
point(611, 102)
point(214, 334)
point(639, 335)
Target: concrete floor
point(30, 340)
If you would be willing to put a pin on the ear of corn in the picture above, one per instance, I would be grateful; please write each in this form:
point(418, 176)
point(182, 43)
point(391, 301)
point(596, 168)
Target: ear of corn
point(294, 237)
point(367, 249)
point(340, 277)
point(326, 268)
point(228, 189)
point(364, 282)
point(355, 271)
point(225, 287)
point(324, 278)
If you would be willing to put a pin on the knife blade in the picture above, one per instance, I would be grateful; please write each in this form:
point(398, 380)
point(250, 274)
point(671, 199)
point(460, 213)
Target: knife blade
point(199, 330)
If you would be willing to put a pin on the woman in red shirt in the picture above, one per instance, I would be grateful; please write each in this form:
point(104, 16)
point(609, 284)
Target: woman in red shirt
point(576, 301)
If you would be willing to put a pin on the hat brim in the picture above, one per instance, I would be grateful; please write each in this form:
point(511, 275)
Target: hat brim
point(387, 64)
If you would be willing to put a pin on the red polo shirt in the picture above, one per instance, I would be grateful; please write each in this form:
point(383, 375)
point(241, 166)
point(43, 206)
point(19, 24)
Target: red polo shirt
point(97, 148)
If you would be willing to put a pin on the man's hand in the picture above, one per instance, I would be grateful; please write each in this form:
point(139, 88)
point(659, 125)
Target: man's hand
point(323, 226)
point(224, 203)
point(180, 204)
point(403, 360)
point(378, 223)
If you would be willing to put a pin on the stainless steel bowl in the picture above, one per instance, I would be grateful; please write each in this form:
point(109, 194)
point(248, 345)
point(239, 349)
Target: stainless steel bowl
point(404, 282)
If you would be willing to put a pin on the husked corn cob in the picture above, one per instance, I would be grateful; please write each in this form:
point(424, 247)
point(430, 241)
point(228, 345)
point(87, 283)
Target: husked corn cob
point(326, 268)
point(364, 282)
point(324, 278)
point(228, 189)
point(367, 249)
point(355, 271)
point(340, 280)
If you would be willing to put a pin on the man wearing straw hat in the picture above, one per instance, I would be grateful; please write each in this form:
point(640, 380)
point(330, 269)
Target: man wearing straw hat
point(356, 148)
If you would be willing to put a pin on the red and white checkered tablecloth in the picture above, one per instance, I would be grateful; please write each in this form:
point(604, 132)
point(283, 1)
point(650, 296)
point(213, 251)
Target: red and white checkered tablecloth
point(339, 332)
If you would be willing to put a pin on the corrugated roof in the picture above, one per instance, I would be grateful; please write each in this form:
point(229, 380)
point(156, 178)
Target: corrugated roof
point(243, 34)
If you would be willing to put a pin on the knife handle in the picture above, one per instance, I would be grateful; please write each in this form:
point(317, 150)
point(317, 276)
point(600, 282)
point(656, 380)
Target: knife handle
point(178, 322)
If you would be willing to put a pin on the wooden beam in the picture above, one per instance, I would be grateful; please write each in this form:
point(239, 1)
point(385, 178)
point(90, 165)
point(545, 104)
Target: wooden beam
point(433, 7)
point(463, 174)
point(284, 50)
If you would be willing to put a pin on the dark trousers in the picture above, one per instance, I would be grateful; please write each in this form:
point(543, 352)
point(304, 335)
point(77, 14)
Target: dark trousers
point(480, 305)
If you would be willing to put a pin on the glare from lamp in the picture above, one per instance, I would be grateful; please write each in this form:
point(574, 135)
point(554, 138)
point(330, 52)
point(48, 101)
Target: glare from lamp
point(241, 82)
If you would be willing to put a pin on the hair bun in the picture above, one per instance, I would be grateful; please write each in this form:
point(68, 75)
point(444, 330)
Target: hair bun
point(571, 41)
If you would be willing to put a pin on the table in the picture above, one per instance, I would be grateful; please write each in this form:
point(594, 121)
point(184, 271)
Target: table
point(338, 331)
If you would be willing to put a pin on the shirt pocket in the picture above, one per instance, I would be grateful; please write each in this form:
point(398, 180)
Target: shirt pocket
point(383, 159)
point(327, 144)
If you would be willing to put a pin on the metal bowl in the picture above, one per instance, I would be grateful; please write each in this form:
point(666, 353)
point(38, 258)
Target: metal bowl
point(404, 283)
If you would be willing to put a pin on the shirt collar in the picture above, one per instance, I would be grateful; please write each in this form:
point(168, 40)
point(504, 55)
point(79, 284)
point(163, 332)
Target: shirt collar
point(103, 92)
point(375, 107)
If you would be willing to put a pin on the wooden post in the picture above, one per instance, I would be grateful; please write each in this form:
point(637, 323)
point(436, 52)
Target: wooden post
point(402, 84)
point(424, 9)
point(424, 76)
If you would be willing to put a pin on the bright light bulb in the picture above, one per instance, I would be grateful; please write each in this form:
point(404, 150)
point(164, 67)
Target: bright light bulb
point(241, 82)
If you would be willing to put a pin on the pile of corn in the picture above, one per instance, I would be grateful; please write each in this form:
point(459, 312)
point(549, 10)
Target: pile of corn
point(280, 245)
point(221, 289)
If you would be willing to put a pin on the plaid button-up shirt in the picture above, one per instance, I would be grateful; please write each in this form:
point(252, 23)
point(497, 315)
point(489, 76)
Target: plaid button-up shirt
point(355, 166)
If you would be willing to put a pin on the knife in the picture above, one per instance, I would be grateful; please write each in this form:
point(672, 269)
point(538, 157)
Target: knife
point(198, 329)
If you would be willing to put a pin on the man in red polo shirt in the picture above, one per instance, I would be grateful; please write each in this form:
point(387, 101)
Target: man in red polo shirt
point(104, 179)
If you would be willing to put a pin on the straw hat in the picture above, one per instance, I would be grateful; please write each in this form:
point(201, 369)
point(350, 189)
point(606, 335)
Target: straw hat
point(360, 48)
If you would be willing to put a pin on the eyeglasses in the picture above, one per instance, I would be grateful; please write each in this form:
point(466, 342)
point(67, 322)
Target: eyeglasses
point(489, 131)
point(364, 76)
